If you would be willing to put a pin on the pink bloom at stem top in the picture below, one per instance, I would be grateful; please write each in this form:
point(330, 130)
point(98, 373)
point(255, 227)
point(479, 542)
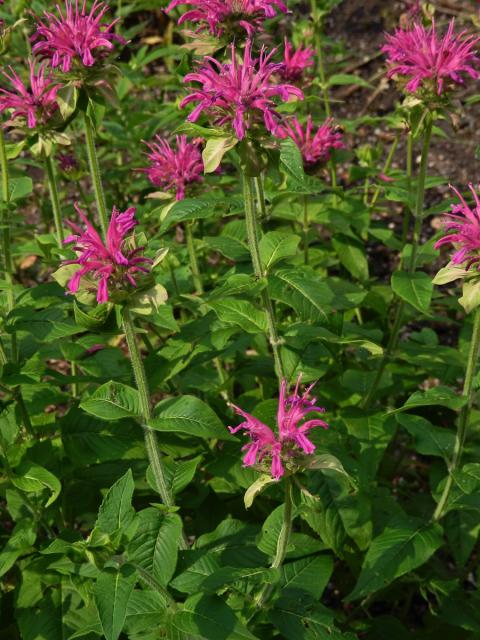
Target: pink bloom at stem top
point(221, 15)
point(315, 146)
point(291, 439)
point(428, 60)
point(174, 169)
point(110, 265)
point(239, 94)
point(462, 228)
point(295, 61)
point(75, 35)
point(36, 103)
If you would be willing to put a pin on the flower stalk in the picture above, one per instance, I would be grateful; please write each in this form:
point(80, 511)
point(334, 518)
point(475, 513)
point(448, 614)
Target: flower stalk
point(151, 442)
point(52, 187)
point(468, 393)
point(417, 232)
point(95, 173)
point(192, 255)
point(6, 236)
point(253, 243)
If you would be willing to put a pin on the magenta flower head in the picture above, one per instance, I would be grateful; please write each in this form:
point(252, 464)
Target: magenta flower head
point(291, 441)
point(463, 231)
point(427, 60)
point(108, 267)
point(75, 36)
point(315, 147)
point(239, 94)
point(295, 61)
point(174, 169)
point(36, 103)
point(220, 16)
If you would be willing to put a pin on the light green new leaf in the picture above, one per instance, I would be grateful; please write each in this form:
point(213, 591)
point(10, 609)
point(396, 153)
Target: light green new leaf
point(414, 288)
point(112, 594)
point(190, 415)
point(405, 544)
point(257, 487)
point(214, 151)
point(113, 401)
point(471, 294)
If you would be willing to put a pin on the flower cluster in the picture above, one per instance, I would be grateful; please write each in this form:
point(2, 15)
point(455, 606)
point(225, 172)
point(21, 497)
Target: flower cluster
point(428, 60)
point(314, 147)
point(463, 231)
point(239, 94)
point(221, 15)
point(36, 103)
point(295, 61)
point(76, 35)
point(174, 169)
point(108, 265)
point(291, 440)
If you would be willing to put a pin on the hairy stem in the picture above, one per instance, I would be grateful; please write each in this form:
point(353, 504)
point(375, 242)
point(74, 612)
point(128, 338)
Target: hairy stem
point(386, 168)
point(52, 187)
point(95, 173)
point(253, 243)
point(468, 393)
point(151, 443)
point(306, 229)
point(192, 255)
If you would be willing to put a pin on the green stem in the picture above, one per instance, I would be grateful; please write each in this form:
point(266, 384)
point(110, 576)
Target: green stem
point(261, 197)
point(468, 393)
point(386, 168)
point(52, 187)
point(151, 443)
point(197, 278)
point(407, 211)
point(306, 229)
point(400, 307)
point(6, 236)
point(282, 542)
point(95, 173)
point(253, 243)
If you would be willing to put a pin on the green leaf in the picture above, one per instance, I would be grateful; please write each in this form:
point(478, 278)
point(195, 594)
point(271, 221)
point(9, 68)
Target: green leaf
point(257, 487)
point(113, 401)
point(18, 188)
point(296, 621)
point(414, 288)
point(443, 396)
point(191, 209)
point(190, 415)
point(112, 594)
point(229, 575)
point(429, 439)
point(351, 254)
point(210, 618)
point(338, 79)
point(116, 510)
point(214, 151)
point(310, 574)
point(292, 162)
point(178, 474)
point(329, 462)
point(241, 313)
point(277, 245)
point(155, 545)
point(21, 541)
point(32, 478)
point(145, 611)
point(405, 544)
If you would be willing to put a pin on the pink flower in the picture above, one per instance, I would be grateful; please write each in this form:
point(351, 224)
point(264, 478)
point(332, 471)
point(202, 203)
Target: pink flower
point(36, 103)
point(291, 438)
point(239, 94)
point(112, 263)
point(218, 15)
point(174, 169)
point(427, 59)
point(76, 35)
point(464, 222)
point(314, 147)
point(295, 61)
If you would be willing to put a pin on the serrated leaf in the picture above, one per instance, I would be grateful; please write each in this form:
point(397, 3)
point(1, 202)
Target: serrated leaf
point(241, 313)
point(310, 574)
point(112, 594)
point(414, 288)
point(190, 415)
point(113, 401)
point(351, 254)
point(405, 544)
point(116, 509)
point(33, 478)
point(277, 245)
